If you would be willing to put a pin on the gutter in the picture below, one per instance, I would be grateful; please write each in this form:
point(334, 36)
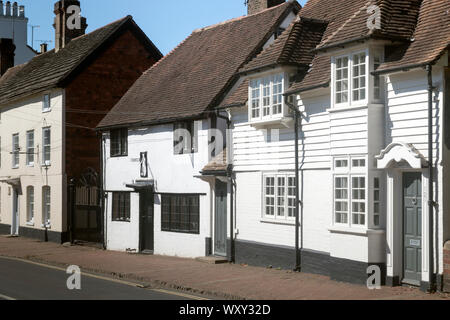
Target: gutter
point(298, 258)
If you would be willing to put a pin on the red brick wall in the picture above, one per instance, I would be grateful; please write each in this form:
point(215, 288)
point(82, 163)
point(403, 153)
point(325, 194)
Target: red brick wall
point(96, 90)
point(447, 267)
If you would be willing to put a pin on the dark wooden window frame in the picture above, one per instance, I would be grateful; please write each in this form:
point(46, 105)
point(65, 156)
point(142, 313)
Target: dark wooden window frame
point(123, 212)
point(119, 143)
point(172, 221)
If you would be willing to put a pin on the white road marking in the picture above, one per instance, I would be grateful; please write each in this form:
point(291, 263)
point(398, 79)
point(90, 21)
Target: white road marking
point(6, 298)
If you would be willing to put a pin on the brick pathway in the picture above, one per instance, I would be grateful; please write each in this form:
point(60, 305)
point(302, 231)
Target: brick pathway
point(221, 281)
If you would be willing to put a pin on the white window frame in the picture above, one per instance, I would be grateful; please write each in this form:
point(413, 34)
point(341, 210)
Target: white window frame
point(258, 96)
point(30, 149)
point(376, 202)
point(44, 107)
point(46, 206)
point(15, 151)
point(286, 197)
point(44, 146)
point(350, 101)
point(351, 172)
point(30, 205)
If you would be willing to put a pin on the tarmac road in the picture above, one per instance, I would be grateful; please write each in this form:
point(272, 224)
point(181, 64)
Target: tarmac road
point(21, 280)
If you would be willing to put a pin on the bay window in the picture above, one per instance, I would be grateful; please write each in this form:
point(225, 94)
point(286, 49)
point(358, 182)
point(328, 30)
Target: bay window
point(279, 196)
point(266, 97)
point(376, 202)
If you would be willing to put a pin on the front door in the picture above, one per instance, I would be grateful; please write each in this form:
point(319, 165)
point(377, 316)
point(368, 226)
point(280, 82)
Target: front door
point(220, 234)
point(15, 214)
point(412, 228)
point(146, 202)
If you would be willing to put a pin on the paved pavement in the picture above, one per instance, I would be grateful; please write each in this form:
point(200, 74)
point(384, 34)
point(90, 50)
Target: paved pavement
point(28, 281)
point(221, 281)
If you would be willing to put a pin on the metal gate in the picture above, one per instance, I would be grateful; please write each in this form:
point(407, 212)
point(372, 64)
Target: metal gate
point(85, 208)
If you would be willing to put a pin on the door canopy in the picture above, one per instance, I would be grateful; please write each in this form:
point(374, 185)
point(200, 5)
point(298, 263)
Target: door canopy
point(400, 152)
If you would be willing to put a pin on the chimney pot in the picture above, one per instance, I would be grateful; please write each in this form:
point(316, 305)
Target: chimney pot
point(15, 11)
point(7, 49)
point(44, 47)
point(63, 35)
point(1, 9)
point(255, 6)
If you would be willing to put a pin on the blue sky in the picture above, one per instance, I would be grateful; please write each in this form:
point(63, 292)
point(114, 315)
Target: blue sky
point(165, 22)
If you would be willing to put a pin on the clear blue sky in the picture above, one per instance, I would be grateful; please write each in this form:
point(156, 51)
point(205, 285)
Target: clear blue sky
point(166, 22)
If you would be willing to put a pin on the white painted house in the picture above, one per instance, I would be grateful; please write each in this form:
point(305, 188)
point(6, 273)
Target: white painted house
point(371, 99)
point(14, 25)
point(156, 195)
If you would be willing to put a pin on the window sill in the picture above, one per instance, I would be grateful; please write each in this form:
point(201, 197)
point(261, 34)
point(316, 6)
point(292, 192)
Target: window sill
point(30, 224)
point(46, 226)
point(280, 222)
point(281, 121)
point(46, 110)
point(362, 231)
point(121, 221)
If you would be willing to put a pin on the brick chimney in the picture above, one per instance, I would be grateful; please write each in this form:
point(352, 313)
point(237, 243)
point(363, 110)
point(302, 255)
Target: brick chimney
point(7, 49)
point(255, 6)
point(65, 30)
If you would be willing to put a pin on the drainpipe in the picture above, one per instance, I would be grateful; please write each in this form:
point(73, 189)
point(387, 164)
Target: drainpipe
point(431, 203)
point(231, 258)
point(298, 258)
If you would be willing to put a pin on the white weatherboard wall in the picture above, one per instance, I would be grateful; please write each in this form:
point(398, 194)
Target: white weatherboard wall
point(407, 122)
point(271, 151)
point(172, 174)
point(18, 118)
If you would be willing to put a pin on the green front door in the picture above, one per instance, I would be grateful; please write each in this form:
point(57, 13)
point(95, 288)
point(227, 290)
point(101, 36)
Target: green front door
point(412, 228)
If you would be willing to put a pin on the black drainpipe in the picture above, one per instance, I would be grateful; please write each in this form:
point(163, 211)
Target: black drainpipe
point(298, 257)
point(431, 203)
point(231, 258)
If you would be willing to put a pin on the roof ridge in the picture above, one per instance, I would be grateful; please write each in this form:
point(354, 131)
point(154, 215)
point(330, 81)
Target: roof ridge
point(289, 2)
point(128, 17)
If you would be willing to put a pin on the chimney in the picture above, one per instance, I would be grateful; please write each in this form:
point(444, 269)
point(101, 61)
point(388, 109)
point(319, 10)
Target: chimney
point(7, 49)
point(8, 9)
point(255, 6)
point(65, 30)
point(44, 47)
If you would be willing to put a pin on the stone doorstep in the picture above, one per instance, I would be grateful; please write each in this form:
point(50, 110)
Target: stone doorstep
point(212, 260)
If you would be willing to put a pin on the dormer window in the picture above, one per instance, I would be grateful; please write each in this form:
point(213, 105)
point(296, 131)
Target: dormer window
point(350, 79)
point(266, 98)
point(353, 84)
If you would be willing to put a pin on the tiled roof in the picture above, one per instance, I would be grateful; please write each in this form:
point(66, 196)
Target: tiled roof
point(293, 47)
point(421, 25)
point(49, 69)
point(430, 39)
point(238, 97)
point(197, 73)
point(218, 164)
